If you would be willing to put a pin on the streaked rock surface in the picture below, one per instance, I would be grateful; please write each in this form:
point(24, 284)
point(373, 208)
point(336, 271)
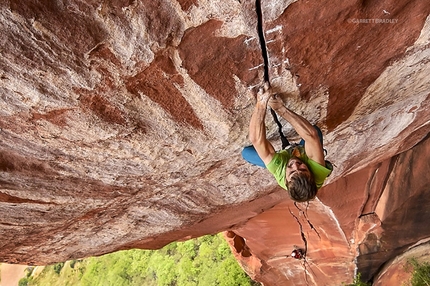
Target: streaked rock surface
point(122, 122)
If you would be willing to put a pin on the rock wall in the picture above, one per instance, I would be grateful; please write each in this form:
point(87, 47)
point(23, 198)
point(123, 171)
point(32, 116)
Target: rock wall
point(369, 222)
point(122, 122)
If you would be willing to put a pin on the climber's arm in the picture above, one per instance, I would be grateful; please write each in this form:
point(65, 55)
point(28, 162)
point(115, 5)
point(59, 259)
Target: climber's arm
point(257, 128)
point(313, 147)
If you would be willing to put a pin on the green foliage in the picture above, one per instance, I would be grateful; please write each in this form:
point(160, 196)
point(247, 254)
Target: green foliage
point(28, 271)
point(420, 272)
point(24, 281)
point(357, 281)
point(72, 263)
point(203, 261)
point(58, 267)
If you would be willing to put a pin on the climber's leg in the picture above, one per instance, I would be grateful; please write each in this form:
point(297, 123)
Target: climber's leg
point(250, 154)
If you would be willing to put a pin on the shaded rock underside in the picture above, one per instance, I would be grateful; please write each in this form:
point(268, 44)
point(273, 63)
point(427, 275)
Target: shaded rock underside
point(121, 125)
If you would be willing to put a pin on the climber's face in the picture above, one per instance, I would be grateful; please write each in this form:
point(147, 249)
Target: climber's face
point(294, 167)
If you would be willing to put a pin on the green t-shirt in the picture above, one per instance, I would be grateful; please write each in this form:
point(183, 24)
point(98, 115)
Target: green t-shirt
point(278, 167)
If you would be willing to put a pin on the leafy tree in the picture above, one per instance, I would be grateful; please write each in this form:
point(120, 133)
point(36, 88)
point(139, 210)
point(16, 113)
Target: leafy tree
point(72, 263)
point(58, 267)
point(202, 261)
point(24, 281)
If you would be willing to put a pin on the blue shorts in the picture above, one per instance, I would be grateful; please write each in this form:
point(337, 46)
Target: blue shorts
point(250, 155)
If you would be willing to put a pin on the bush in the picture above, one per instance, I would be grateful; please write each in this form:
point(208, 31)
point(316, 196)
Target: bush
point(29, 271)
point(72, 263)
point(357, 281)
point(420, 272)
point(58, 267)
point(24, 281)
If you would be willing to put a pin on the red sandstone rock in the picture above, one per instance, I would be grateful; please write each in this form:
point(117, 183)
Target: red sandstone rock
point(121, 126)
point(399, 270)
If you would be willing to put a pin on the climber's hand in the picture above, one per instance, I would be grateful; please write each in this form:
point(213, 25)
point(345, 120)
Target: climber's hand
point(275, 102)
point(264, 93)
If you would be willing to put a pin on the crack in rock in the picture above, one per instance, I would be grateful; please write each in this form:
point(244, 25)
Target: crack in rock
point(267, 79)
point(260, 31)
point(301, 232)
point(305, 215)
point(303, 236)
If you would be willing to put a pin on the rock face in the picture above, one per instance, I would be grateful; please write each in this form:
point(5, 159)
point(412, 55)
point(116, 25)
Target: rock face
point(122, 122)
point(362, 222)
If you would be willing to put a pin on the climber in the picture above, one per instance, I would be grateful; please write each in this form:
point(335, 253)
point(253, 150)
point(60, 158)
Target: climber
point(300, 168)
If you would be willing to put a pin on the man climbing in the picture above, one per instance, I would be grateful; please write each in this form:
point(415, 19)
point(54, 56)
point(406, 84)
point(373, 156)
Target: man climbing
point(300, 169)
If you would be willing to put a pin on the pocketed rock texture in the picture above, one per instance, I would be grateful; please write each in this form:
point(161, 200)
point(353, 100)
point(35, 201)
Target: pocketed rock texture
point(122, 122)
